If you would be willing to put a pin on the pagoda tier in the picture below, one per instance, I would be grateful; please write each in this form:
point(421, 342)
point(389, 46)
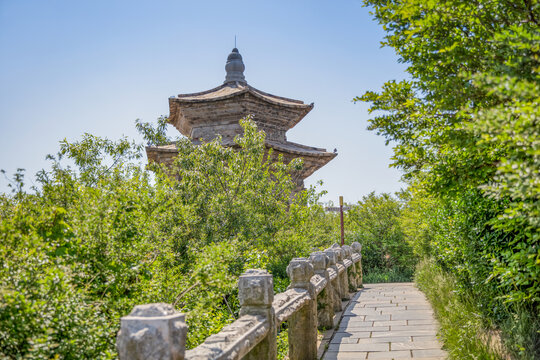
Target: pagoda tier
point(314, 158)
point(206, 115)
point(216, 112)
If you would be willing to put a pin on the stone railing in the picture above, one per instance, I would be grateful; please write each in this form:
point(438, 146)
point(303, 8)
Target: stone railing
point(318, 286)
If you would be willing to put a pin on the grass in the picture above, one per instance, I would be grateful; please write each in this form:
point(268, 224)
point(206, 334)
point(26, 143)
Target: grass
point(373, 276)
point(462, 329)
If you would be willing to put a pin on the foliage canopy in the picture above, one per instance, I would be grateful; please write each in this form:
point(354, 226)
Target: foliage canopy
point(104, 234)
point(465, 128)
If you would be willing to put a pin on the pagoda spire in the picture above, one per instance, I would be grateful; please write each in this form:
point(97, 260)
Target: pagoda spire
point(235, 68)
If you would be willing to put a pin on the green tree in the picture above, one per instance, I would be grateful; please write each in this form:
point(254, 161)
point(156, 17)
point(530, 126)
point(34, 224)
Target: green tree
point(375, 223)
point(103, 232)
point(465, 126)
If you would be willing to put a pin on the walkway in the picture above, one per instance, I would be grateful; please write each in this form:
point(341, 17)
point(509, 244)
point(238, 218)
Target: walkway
point(387, 321)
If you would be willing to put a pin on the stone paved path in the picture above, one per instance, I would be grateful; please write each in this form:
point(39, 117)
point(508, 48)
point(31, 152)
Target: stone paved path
point(387, 321)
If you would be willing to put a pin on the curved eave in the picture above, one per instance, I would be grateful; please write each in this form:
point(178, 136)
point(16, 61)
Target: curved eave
point(206, 96)
point(314, 158)
point(171, 148)
point(176, 103)
point(300, 150)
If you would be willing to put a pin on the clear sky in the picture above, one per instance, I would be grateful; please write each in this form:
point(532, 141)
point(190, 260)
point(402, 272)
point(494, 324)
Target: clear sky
point(69, 67)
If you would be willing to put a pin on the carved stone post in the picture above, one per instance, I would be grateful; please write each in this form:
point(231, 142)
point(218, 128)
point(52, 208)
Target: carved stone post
point(325, 303)
point(303, 323)
point(351, 271)
point(336, 284)
point(153, 332)
point(357, 248)
point(256, 293)
point(344, 282)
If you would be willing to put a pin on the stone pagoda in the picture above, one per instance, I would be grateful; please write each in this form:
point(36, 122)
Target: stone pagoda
point(205, 115)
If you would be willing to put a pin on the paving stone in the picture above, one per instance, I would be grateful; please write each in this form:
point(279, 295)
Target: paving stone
point(352, 322)
point(378, 317)
point(348, 337)
point(422, 354)
point(433, 328)
point(423, 322)
point(359, 347)
point(416, 315)
point(380, 305)
point(425, 338)
point(410, 345)
point(377, 302)
point(344, 340)
point(362, 311)
point(385, 339)
point(353, 328)
point(391, 310)
point(403, 333)
point(387, 321)
point(334, 355)
point(379, 328)
point(390, 323)
point(389, 355)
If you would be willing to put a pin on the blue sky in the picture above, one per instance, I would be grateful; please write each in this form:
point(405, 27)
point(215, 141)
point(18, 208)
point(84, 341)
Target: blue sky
point(69, 67)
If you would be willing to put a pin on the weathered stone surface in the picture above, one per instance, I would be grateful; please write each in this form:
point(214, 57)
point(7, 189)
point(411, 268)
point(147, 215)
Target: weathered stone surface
point(288, 302)
point(357, 247)
point(347, 251)
point(332, 257)
point(318, 282)
point(300, 271)
point(357, 257)
point(332, 273)
point(325, 299)
point(342, 277)
point(303, 323)
point(320, 262)
point(256, 294)
point(152, 331)
point(234, 341)
point(352, 273)
point(229, 102)
point(255, 288)
point(361, 337)
point(334, 279)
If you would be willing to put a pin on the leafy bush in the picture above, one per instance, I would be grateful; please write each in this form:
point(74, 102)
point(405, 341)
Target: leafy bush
point(375, 222)
point(462, 329)
point(465, 131)
point(101, 233)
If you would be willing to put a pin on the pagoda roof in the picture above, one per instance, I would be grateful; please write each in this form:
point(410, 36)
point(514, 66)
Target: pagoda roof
point(205, 115)
point(229, 90)
point(228, 103)
point(314, 158)
point(287, 146)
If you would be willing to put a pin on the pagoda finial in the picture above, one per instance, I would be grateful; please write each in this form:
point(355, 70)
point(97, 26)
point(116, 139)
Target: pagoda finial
point(235, 68)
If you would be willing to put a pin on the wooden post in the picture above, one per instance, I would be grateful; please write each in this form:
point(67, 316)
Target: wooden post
point(341, 218)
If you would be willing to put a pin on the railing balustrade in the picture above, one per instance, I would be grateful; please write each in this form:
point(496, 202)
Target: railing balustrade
point(318, 286)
